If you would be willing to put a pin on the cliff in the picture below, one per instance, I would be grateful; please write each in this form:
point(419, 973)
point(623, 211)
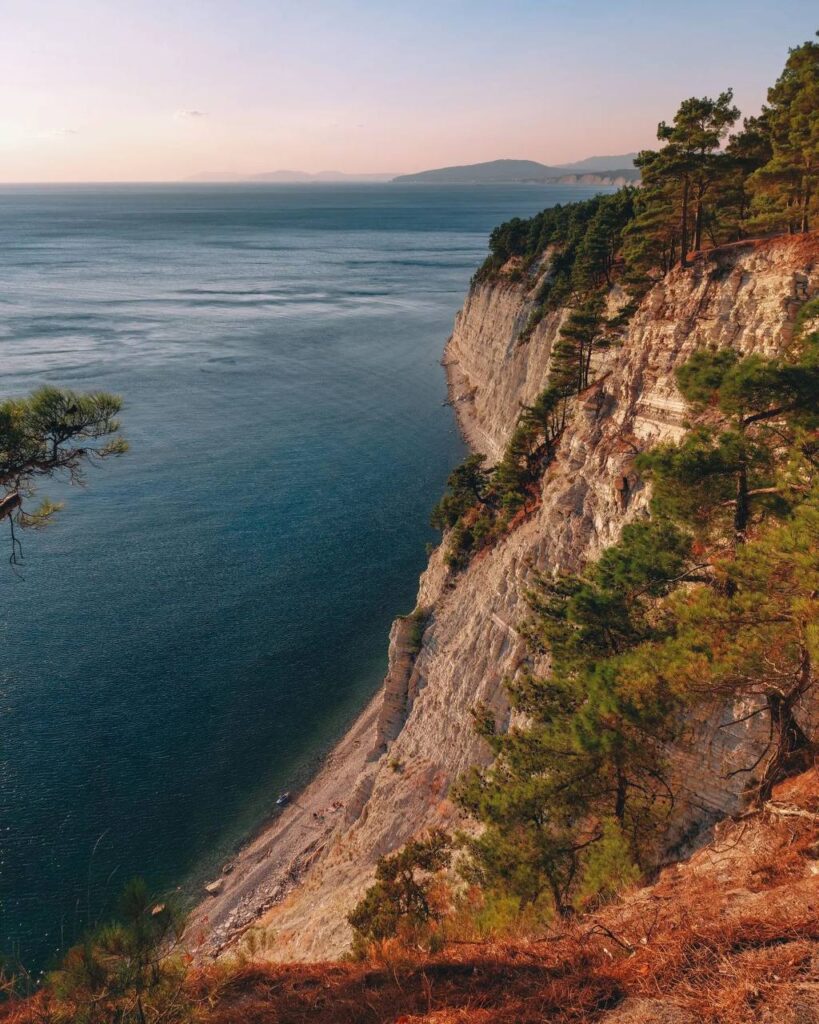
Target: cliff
point(618, 178)
point(393, 773)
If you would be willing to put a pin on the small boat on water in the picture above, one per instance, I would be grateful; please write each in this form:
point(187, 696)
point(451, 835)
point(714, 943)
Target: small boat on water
point(283, 798)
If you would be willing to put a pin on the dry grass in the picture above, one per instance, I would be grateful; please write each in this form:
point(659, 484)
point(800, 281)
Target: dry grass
point(498, 985)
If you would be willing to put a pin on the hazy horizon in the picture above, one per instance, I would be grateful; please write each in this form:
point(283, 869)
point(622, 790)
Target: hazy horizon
point(107, 92)
point(226, 177)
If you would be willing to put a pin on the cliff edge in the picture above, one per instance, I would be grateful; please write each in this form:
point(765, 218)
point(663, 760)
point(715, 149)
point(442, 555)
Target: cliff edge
point(390, 777)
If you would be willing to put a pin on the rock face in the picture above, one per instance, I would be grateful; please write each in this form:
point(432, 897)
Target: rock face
point(400, 683)
point(745, 296)
point(491, 373)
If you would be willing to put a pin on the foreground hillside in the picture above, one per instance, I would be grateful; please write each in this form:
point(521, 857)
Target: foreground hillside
point(730, 936)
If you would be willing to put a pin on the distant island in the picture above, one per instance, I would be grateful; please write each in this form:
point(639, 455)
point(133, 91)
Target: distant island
point(594, 170)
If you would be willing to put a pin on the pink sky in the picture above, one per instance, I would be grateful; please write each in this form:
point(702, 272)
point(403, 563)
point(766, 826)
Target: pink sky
point(151, 90)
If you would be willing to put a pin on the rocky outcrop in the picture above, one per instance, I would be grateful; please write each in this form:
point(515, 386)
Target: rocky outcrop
point(401, 681)
point(745, 296)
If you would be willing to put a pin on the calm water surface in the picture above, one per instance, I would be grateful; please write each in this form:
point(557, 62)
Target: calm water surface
point(205, 618)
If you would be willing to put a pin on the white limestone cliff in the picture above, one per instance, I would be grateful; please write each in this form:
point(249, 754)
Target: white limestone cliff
point(419, 734)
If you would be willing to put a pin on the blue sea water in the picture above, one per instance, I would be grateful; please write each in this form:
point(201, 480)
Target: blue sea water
point(203, 620)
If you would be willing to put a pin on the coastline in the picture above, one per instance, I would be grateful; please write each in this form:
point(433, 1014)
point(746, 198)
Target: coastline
point(304, 872)
point(271, 864)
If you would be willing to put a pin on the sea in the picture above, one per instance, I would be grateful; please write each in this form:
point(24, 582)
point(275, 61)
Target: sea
point(209, 612)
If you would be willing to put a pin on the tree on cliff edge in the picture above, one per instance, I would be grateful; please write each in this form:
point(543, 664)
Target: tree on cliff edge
point(52, 432)
point(680, 181)
point(786, 188)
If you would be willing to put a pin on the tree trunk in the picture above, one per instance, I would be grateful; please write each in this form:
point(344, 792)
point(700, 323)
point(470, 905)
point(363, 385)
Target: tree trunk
point(684, 224)
point(805, 223)
point(587, 366)
point(698, 227)
point(557, 898)
point(790, 743)
point(620, 800)
point(741, 506)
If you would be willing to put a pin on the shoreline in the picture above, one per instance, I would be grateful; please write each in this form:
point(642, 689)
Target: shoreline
point(271, 863)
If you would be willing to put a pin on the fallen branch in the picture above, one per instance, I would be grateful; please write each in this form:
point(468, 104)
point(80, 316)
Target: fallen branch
point(789, 811)
point(601, 929)
point(9, 502)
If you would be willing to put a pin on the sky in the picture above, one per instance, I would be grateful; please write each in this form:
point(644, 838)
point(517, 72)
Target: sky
point(157, 90)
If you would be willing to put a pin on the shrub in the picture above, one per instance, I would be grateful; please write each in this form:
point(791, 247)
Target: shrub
point(402, 893)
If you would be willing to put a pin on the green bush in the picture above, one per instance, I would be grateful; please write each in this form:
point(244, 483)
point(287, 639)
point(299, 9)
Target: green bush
point(401, 894)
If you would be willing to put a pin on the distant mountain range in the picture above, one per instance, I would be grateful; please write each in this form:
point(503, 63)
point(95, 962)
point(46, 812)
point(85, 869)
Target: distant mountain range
point(594, 170)
point(292, 177)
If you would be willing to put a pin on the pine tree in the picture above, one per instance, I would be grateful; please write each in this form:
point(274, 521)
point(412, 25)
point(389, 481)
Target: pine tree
point(651, 241)
point(679, 180)
point(786, 195)
point(753, 641)
point(747, 151)
point(127, 971)
point(466, 487)
point(52, 431)
point(725, 469)
point(596, 253)
point(570, 365)
point(592, 752)
point(400, 894)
